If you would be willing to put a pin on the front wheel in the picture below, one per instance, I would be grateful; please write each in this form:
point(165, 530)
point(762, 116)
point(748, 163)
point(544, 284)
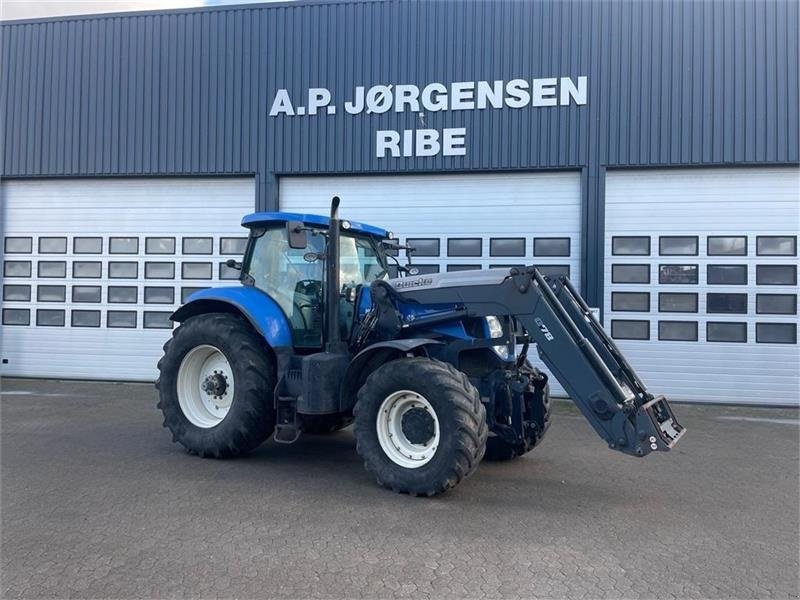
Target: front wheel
point(420, 426)
point(216, 385)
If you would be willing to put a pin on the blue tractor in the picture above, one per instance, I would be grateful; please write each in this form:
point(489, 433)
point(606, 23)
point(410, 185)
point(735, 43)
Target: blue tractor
point(432, 369)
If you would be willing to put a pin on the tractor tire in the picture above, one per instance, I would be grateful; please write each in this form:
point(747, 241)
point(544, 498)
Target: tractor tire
point(536, 424)
point(222, 352)
point(324, 424)
point(420, 426)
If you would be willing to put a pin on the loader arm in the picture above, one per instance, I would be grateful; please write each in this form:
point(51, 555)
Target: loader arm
point(576, 349)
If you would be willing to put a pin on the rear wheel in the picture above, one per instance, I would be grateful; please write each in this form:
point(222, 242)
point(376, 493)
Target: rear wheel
point(215, 386)
point(536, 420)
point(420, 426)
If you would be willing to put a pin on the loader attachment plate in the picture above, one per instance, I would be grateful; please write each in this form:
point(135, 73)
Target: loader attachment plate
point(656, 423)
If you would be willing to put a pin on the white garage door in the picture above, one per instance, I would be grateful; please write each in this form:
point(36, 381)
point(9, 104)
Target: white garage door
point(701, 281)
point(459, 222)
point(93, 268)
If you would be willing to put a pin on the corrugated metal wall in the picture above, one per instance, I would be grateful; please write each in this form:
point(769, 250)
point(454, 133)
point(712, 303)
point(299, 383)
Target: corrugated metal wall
point(188, 92)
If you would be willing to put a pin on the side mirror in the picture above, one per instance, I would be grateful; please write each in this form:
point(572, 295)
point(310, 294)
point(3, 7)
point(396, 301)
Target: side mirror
point(233, 264)
point(297, 234)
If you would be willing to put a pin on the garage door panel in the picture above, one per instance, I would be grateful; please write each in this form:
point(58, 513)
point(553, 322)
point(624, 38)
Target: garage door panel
point(452, 207)
point(708, 203)
point(144, 243)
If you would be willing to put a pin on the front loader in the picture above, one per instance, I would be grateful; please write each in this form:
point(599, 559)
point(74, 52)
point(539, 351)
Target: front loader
point(432, 369)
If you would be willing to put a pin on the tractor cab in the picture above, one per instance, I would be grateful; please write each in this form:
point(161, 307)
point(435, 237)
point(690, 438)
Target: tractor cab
point(286, 259)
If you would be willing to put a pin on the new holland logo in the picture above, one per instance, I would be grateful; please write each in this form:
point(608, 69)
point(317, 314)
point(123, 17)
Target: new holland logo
point(412, 283)
point(543, 328)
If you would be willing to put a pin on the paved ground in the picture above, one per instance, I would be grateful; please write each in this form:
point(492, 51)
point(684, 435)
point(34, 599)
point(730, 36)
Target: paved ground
point(96, 502)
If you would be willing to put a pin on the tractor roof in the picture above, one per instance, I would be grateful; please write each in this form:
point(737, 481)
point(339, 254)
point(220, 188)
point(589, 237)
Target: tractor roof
point(265, 218)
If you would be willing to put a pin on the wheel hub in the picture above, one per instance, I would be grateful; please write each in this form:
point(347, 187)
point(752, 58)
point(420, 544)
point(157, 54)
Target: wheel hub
point(215, 384)
point(418, 426)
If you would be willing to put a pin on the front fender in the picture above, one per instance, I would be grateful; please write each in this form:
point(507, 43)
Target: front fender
point(369, 359)
point(256, 306)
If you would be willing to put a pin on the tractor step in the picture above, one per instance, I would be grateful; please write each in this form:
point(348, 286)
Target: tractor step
point(287, 427)
point(657, 426)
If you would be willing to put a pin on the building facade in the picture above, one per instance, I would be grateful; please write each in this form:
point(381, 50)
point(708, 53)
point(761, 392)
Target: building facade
point(650, 150)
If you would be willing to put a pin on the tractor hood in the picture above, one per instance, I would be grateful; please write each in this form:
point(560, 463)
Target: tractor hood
point(448, 280)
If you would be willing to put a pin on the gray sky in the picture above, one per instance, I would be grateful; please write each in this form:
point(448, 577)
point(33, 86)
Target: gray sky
point(30, 9)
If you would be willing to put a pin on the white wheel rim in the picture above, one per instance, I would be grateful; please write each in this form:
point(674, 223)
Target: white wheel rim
point(204, 399)
point(391, 437)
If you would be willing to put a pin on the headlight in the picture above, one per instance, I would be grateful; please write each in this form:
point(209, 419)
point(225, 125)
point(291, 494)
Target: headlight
point(496, 331)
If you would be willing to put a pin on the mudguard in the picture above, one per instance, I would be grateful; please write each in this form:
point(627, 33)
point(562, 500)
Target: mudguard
point(257, 307)
point(354, 374)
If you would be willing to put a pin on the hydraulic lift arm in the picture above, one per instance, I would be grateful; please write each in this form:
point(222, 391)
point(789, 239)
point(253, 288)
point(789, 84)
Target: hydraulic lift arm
point(579, 353)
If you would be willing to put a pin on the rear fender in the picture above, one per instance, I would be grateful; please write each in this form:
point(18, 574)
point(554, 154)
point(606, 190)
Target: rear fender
point(370, 358)
point(257, 307)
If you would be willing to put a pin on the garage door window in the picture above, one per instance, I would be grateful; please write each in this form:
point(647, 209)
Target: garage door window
point(123, 245)
point(552, 271)
point(86, 293)
point(196, 270)
point(675, 245)
point(630, 329)
point(464, 246)
point(232, 245)
point(48, 268)
point(159, 270)
point(159, 245)
point(424, 246)
point(17, 268)
point(123, 270)
point(776, 274)
point(85, 318)
point(87, 269)
point(194, 245)
point(125, 319)
point(776, 333)
point(49, 318)
point(507, 247)
point(87, 245)
point(188, 291)
point(159, 295)
point(776, 304)
point(776, 245)
point(51, 293)
point(452, 268)
point(630, 274)
point(630, 301)
point(157, 320)
point(18, 245)
point(677, 331)
point(677, 302)
point(726, 332)
point(727, 245)
point(52, 245)
point(630, 246)
point(551, 246)
point(17, 293)
point(677, 274)
point(427, 269)
point(16, 316)
point(726, 275)
point(122, 294)
point(726, 303)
